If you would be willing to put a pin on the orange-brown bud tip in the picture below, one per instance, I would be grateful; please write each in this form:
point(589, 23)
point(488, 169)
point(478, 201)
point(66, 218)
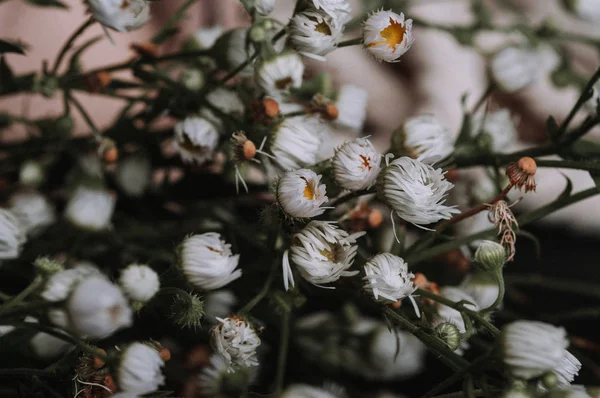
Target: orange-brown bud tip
point(99, 362)
point(271, 107)
point(110, 155)
point(331, 111)
point(145, 49)
point(420, 280)
point(396, 305)
point(528, 165)
point(249, 150)
point(452, 175)
point(375, 218)
point(165, 354)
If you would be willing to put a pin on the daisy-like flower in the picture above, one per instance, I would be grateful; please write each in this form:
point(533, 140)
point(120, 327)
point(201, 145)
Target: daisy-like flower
point(498, 126)
point(351, 104)
point(450, 315)
point(236, 341)
point(33, 210)
point(207, 261)
point(306, 391)
point(278, 75)
point(340, 10)
point(120, 15)
point(387, 35)
point(97, 308)
point(217, 377)
point(424, 138)
point(356, 164)
point(567, 369)
point(90, 208)
point(296, 142)
point(588, 10)
point(514, 68)
point(314, 33)
point(322, 252)
point(387, 277)
point(12, 235)
point(139, 282)
point(226, 101)
point(205, 38)
point(264, 7)
point(195, 139)
point(300, 194)
point(134, 175)
point(531, 348)
point(59, 285)
point(140, 369)
point(415, 191)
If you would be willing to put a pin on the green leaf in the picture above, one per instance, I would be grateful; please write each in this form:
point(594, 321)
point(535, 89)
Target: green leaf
point(11, 47)
point(48, 3)
point(568, 189)
point(552, 128)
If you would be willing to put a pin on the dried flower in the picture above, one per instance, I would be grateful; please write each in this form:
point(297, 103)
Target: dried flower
point(387, 36)
point(296, 142)
point(236, 341)
point(506, 223)
point(522, 173)
point(356, 164)
point(300, 194)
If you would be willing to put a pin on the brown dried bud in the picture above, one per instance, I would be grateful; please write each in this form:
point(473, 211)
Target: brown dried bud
point(109, 383)
point(108, 151)
point(99, 362)
point(243, 148)
point(165, 354)
point(145, 49)
point(97, 82)
point(332, 112)
point(271, 107)
point(375, 218)
point(522, 173)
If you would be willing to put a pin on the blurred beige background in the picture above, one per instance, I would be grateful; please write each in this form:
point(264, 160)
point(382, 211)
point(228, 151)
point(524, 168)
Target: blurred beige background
point(432, 77)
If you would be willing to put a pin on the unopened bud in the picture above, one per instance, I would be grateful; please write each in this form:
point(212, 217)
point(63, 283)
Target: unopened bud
point(331, 111)
point(64, 125)
point(375, 218)
point(165, 354)
point(271, 107)
point(449, 333)
point(107, 150)
point(550, 380)
point(47, 266)
point(187, 310)
point(192, 79)
point(31, 174)
point(490, 256)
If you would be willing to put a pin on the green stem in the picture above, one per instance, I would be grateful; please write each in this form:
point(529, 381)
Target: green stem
point(95, 132)
point(67, 46)
point(500, 280)
point(5, 297)
point(488, 91)
point(283, 350)
point(263, 292)
point(351, 42)
point(580, 102)
point(349, 197)
point(18, 299)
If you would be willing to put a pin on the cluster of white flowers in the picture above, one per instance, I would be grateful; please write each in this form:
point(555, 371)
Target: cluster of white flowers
point(236, 341)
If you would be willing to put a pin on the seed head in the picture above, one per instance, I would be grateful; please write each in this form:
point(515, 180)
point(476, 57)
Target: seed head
point(521, 174)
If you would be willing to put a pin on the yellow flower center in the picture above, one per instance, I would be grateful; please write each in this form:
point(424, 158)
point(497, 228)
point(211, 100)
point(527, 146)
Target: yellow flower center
point(323, 28)
point(309, 190)
point(392, 35)
point(366, 162)
point(329, 254)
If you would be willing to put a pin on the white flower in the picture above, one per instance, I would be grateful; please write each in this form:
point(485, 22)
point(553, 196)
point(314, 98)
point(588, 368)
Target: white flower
point(12, 235)
point(532, 348)
point(33, 210)
point(205, 38)
point(237, 50)
point(300, 195)
point(356, 165)
point(314, 33)
point(90, 209)
point(322, 252)
point(450, 315)
point(139, 282)
point(207, 261)
point(58, 287)
point(139, 369)
point(6, 329)
point(278, 75)
point(218, 304)
point(482, 286)
point(567, 369)
point(340, 10)
point(97, 308)
point(195, 139)
point(585, 9)
point(226, 101)
point(426, 139)
point(394, 354)
point(514, 68)
point(306, 391)
point(46, 346)
point(387, 277)
point(31, 173)
point(264, 7)
point(236, 341)
point(134, 174)
point(415, 191)
point(387, 36)
point(499, 126)
point(120, 15)
point(351, 104)
point(296, 142)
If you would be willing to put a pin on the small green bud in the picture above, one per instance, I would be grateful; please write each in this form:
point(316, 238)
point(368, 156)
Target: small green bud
point(490, 256)
point(258, 33)
point(192, 79)
point(187, 310)
point(449, 333)
point(47, 266)
point(64, 125)
point(47, 85)
point(31, 174)
point(549, 380)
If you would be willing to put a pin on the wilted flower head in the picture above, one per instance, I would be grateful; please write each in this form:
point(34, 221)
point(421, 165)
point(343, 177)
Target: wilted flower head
point(514, 68)
point(120, 15)
point(296, 142)
point(90, 209)
point(314, 33)
point(278, 75)
point(322, 253)
point(195, 139)
point(531, 348)
point(387, 277)
point(387, 36)
point(97, 308)
point(423, 137)
point(139, 282)
point(522, 173)
point(139, 370)
point(351, 104)
point(207, 261)
point(415, 191)
point(356, 164)
point(12, 235)
point(236, 341)
point(300, 195)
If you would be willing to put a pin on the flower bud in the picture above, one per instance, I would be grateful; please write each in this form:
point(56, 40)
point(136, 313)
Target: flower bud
point(187, 310)
point(31, 173)
point(47, 266)
point(449, 333)
point(490, 256)
point(192, 79)
point(549, 380)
